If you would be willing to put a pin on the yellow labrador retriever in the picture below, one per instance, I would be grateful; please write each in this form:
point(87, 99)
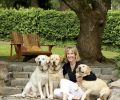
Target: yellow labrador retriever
point(55, 73)
point(38, 79)
point(95, 86)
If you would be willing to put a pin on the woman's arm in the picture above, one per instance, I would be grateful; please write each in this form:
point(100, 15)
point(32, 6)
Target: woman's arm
point(64, 70)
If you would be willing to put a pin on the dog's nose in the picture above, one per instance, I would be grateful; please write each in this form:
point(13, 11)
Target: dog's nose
point(39, 62)
point(54, 62)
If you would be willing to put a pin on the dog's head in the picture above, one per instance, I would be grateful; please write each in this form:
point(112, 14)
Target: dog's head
point(55, 62)
point(42, 61)
point(82, 70)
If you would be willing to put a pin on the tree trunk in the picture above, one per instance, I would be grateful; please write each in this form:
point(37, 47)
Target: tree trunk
point(63, 6)
point(92, 15)
point(90, 37)
point(34, 3)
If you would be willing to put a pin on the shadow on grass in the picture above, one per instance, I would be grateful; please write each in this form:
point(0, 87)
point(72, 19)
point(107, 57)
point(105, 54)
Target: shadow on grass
point(7, 58)
point(4, 58)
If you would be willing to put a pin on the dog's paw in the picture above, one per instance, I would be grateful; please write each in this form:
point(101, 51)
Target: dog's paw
point(33, 96)
point(83, 97)
point(98, 99)
point(70, 97)
point(42, 97)
point(50, 97)
point(76, 88)
point(23, 95)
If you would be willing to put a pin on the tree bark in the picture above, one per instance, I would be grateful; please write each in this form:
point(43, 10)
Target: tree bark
point(63, 6)
point(34, 3)
point(90, 37)
point(92, 15)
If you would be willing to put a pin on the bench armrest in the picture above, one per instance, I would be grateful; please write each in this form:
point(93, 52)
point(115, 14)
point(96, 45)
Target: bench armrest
point(49, 46)
point(15, 43)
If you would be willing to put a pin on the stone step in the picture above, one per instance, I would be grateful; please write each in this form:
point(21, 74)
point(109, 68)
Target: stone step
point(95, 70)
point(9, 90)
point(24, 70)
point(22, 74)
point(19, 82)
point(21, 67)
point(103, 71)
point(30, 67)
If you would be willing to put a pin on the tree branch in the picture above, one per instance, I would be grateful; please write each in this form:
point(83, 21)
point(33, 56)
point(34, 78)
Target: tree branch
point(100, 5)
point(78, 5)
point(108, 4)
point(73, 4)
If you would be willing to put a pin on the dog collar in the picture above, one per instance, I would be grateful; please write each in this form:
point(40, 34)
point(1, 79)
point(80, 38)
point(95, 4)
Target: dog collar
point(91, 77)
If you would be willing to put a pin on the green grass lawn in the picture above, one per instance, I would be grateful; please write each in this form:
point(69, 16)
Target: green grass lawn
point(5, 51)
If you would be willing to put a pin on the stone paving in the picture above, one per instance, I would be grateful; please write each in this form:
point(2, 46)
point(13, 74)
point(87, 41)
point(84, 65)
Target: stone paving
point(22, 72)
point(19, 98)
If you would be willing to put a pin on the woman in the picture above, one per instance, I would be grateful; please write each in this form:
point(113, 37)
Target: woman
point(68, 88)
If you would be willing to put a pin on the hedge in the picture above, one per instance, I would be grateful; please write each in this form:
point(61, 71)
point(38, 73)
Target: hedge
point(53, 25)
point(112, 30)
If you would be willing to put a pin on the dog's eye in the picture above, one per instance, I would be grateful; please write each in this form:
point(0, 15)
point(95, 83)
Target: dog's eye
point(43, 59)
point(57, 59)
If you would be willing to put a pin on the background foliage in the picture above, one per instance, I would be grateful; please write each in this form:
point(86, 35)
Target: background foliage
point(115, 4)
point(112, 30)
point(54, 25)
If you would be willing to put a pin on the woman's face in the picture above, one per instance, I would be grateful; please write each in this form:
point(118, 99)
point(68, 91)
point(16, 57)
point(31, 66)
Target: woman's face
point(71, 56)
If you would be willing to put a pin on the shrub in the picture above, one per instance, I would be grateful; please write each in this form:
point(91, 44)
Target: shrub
point(50, 24)
point(112, 29)
point(54, 25)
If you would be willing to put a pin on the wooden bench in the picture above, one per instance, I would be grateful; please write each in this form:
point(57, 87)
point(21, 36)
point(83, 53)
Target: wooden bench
point(27, 45)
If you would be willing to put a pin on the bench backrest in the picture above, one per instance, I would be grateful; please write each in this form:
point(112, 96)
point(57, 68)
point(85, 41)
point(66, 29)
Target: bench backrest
point(26, 41)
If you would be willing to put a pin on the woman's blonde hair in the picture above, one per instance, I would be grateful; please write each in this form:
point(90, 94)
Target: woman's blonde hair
point(74, 49)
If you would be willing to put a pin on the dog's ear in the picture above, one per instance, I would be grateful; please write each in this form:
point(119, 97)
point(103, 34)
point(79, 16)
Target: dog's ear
point(50, 56)
point(62, 59)
point(88, 70)
point(48, 60)
point(36, 59)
